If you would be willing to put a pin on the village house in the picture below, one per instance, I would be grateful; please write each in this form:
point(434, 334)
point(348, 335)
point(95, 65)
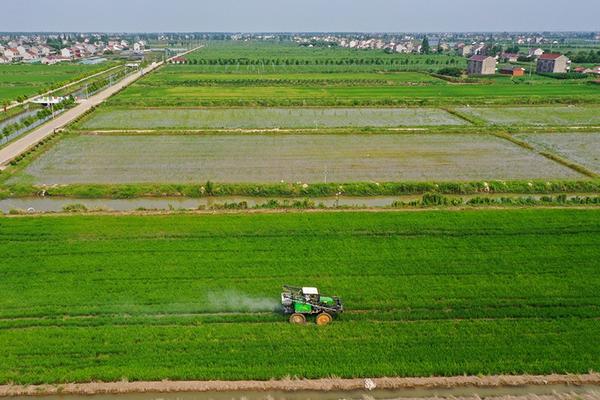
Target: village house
point(12, 54)
point(50, 60)
point(510, 57)
point(22, 50)
point(584, 70)
point(138, 47)
point(479, 50)
point(178, 60)
point(481, 65)
point(513, 71)
point(552, 63)
point(466, 50)
point(66, 53)
point(535, 52)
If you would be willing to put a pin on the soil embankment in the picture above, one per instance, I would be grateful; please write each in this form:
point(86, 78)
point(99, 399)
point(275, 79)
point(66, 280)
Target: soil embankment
point(293, 385)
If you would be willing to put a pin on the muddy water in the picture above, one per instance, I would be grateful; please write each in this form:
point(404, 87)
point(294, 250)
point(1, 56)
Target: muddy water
point(40, 204)
point(558, 392)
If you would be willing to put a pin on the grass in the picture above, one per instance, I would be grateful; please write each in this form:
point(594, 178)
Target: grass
point(140, 95)
point(169, 118)
point(194, 75)
point(583, 148)
point(553, 116)
point(31, 79)
point(273, 158)
point(429, 293)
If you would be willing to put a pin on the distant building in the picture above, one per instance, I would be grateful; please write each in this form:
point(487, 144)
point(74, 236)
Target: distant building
point(66, 53)
point(54, 59)
point(11, 53)
point(466, 50)
point(535, 52)
point(481, 65)
point(510, 57)
point(513, 71)
point(138, 47)
point(552, 63)
point(178, 60)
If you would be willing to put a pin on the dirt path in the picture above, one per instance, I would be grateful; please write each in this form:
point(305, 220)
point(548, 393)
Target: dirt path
point(290, 385)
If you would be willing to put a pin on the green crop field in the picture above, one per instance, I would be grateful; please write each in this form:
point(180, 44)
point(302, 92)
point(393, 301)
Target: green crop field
point(547, 115)
point(27, 80)
point(583, 147)
point(192, 75)
point(88, 298)
point(285, 74)
point(286, 57)
point(297, 95)
point(272, 158)
point(156, 118)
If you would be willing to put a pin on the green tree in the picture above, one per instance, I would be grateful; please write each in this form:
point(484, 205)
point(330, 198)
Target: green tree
point(425, 48)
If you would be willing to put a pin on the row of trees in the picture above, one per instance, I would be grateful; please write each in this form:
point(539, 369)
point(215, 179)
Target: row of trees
point(40, 115)
point(326, 61)
point(585, 57)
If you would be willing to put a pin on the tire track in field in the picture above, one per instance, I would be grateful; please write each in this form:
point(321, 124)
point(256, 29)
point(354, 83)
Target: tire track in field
point(120, 320)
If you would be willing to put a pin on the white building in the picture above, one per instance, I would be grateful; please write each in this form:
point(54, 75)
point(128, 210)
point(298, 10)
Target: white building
point(535, 52)
point(66, 53)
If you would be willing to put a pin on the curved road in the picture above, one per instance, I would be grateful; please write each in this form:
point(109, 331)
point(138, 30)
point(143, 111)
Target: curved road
point(21, 145)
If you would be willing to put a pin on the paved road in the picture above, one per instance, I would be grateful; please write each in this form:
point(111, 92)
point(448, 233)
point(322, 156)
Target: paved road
point(19, 146)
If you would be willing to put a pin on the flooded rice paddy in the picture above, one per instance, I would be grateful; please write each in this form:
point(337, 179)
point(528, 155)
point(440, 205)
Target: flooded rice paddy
point(255, 158)
point(249, 118)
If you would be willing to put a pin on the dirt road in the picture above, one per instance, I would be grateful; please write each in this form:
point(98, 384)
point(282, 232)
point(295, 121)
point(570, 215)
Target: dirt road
point(21, 145)
point(292, 385)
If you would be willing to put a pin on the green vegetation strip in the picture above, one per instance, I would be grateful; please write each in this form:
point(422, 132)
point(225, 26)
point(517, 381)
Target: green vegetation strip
point(211, 189)
point(306, 95)
point(190, 297)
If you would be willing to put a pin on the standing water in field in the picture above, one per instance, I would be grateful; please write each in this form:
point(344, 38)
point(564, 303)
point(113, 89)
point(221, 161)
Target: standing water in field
point(232, 301)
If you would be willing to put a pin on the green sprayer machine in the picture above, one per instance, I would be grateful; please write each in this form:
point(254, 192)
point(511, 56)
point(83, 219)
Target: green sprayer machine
point(300, 302)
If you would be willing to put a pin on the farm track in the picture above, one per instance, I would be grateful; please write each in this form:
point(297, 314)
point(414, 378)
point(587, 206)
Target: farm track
point(129, 319)
point(327, 384)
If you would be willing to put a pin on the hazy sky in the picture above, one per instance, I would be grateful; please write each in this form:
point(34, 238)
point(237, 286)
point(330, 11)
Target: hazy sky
point(298, 15)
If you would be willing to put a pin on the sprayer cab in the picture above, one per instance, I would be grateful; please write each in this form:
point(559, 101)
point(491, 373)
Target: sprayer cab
point(299, 302)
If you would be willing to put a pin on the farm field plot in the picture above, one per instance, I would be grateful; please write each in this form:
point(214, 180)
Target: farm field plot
point(190, 75)
point(581, 147)
point(268, 118)
point(108, 298)
point(548, 115)
point(27, 80)
point(255, 158)
point(307, 95)
point(281, 56)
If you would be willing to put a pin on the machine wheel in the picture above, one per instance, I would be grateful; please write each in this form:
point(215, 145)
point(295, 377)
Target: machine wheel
point(298, 319)
point(324, 319)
